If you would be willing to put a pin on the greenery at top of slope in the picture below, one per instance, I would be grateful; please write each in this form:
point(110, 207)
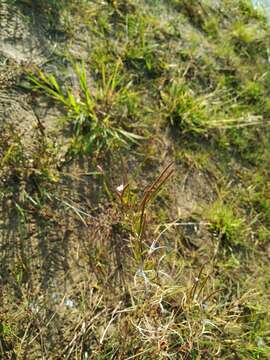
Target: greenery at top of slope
point(191, 74)
point(178, 64)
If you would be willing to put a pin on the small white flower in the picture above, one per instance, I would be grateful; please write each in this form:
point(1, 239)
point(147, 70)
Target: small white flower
point(120, 188)
point(69, 303)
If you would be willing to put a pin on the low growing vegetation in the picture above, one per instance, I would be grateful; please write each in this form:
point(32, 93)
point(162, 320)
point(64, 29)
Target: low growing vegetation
point(135, 207)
